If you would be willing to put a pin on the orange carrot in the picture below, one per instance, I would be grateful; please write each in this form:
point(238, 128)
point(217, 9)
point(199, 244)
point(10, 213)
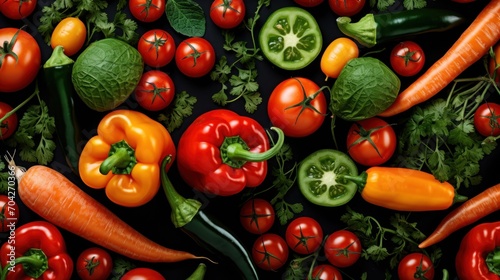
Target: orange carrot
point(473, 44)
point(467, 213)
point(56, 199)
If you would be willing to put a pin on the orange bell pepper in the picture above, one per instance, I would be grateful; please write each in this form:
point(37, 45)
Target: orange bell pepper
point(125, 157)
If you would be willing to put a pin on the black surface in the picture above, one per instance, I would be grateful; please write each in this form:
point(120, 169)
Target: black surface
point(153, 219)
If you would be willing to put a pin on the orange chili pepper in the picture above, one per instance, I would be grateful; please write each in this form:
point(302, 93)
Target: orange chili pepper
point(125, 157)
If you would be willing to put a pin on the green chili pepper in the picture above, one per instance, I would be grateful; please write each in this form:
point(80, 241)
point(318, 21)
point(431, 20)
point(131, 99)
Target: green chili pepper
point(57, 72)
point(199, 273)
point(216, 238)
point(373, 29)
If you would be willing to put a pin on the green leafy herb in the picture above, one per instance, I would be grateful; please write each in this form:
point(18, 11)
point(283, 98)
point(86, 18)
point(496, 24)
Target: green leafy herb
point(238, 79)
point(181, 108)
point(120, 267)
point(93, 14)
point(4, 177)
point(383, 5)
point(300, 267)
point(186, 17)
point(441, 137)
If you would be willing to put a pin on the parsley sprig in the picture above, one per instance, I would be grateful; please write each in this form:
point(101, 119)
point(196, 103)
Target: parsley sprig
point(238, 78)
point(175, 114)
point(383, 5)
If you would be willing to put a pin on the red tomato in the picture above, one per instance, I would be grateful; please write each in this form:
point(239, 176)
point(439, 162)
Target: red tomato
point(257, 215)
point(304, 235)
point(346, 7)
point(308, 3)
point(487, 119)
point(270, 251)
point(326, 272)
point(70, 33)
point(155, 90)
point(16, 74)
point(227, 14)
point(142, 273)
point(9, 125)
point(494, 63)
point(147, 10)
point(415, 266)
point(157, 47)
point(371, 141)
point(94, 264)
point(407, 58)
point(297, 106)
point(195, 57)
point(342, 248)
point(17, 9)
point(9, 211)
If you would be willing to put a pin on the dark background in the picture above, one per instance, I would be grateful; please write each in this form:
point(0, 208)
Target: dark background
point(153, 219)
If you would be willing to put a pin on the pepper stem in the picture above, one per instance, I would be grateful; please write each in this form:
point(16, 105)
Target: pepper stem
point(493, 261)
point(364, 31)
point(34, 263)
point(121, 159)
point(58, 58)
point(359, 180)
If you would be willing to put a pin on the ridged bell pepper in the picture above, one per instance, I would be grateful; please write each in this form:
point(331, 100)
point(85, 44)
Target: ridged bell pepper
point(125, 157)
point(478, 257)
point(222, 152)
point(36, 251)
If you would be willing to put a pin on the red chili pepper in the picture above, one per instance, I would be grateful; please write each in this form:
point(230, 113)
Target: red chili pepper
point(35, 250)
point(222, 152)
point(479, 254)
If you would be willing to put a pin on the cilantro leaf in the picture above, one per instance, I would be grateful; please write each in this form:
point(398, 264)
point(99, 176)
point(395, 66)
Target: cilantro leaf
point(186, 17)
point(181, 108)
point(4, 177)
point(414, 4)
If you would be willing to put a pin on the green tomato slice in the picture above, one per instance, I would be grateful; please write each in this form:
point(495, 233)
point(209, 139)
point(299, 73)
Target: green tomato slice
point(319, 181)
point(291, 38)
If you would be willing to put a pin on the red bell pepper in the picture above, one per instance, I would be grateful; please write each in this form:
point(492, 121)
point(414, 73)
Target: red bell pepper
point(222, 152)
point(479, 254)
point(35, 250)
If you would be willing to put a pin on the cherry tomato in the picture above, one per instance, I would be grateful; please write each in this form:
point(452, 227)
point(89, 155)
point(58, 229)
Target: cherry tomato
point(342, 248)
point(371, 141)
point(142, 273)
point(70, 33)
point(94, 263)
point(270, 251)
point(18, 73)
point(157, 47)
point(9, 125)
point(195, 57)
point(147, 10)
point(155, 90)
point(494, 63)
point(487, 119)
point(336, 56)
point(346, 7)
point(415, 266)
point(297, 106)
point(9, 211)
point(17, 9)
point(308, 3)
point(257, 215)
point(227, 14)
point(304, 235)
point(326, 272)
point(407, 58)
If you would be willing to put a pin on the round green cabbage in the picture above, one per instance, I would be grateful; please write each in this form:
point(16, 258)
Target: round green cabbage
point(364, 89)
point(106, 73)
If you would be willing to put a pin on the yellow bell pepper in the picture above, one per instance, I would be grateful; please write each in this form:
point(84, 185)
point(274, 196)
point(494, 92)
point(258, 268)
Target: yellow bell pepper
point(125, 157)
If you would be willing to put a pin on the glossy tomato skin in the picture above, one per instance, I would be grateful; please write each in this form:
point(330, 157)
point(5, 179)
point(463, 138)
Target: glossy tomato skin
point(487, 119)
point(407, 58)
point(257, 215)
point(195, 57)
point(304, 235)
point(9, 125)
point(142, 273)
point(94, 263)
point(17, 74)
point(17, 9)
point(342, 248)
point(70, 33)
point(381, 133)
point(297, 106)
point(346, 7)
point(9, 212)
point(157, 47)
point(227, 14)
point(147, 11)
point(415, 266)
point(155, 90)
point(326, 272)
point(308, 3)
point(270, 251)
